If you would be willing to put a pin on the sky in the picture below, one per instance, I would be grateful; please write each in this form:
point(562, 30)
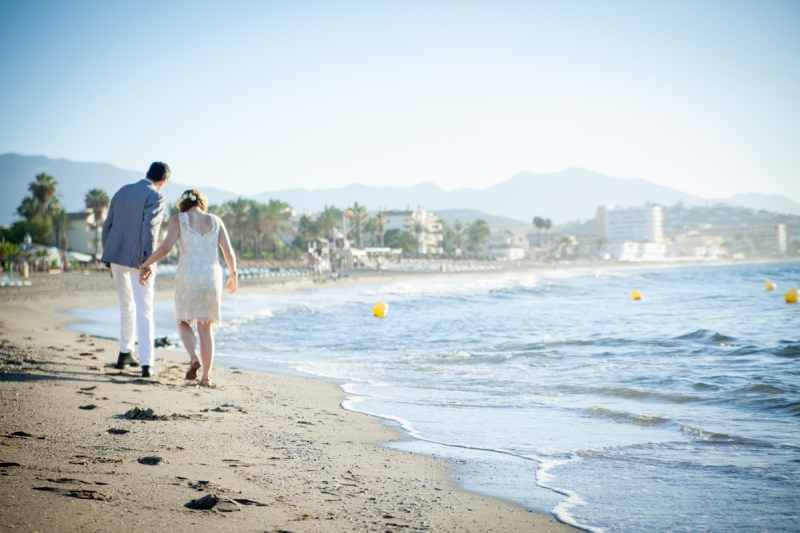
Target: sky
point(268, 95)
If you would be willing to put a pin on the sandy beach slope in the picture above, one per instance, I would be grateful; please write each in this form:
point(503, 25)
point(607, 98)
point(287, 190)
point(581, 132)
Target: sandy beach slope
point(79, 450)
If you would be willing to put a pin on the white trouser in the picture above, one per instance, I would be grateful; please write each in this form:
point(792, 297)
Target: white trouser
point(135, 308)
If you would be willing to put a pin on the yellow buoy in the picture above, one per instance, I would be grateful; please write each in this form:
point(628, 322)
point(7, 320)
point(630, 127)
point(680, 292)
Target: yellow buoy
point(636, 295)
point(792, 296)
point(380, 309)
point(769, 285)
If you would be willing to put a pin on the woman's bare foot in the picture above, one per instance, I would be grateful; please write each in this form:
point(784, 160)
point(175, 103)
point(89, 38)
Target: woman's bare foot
point(194, 366)
point(206, 382)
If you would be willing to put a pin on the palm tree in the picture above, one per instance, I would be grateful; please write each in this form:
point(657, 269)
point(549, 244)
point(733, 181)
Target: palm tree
point(539, 222)
point(29, 208)
point(478, 234)
point(371, 229)
point(380, 222)
point(257, 216)
point(458, 234)
point(235, 217)
point(306, 229)
point(327, 221)
point(44, 192)
point(277, 222)
point(97, 200)
point(360, 216)
point(60, 222)
point(542, 223)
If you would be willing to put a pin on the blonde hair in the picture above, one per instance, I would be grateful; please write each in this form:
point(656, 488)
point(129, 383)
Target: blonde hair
point(191, 198)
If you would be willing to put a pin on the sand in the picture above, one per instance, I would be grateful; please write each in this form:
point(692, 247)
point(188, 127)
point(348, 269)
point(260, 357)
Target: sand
point(262, 452)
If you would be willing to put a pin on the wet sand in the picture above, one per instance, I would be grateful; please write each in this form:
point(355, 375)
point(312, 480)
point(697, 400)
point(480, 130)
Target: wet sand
point(79, 450)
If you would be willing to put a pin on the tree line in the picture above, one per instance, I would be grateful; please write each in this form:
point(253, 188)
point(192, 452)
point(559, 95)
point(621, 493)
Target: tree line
point(258, 230)
point(41, 215)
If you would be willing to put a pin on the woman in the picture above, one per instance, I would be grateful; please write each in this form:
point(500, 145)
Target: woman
point(198, 280)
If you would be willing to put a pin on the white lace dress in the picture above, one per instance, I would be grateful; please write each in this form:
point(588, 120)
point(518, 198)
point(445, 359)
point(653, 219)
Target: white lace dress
point(198, 280)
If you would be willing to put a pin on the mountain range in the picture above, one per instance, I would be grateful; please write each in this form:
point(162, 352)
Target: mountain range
point(572, 194)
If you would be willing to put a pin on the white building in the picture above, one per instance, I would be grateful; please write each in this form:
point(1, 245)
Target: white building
point(429, 238)
point(514, 237)
point(636, 251)
point(636, 224)
point(81, 233)
point(507, 252)
point(632, 234)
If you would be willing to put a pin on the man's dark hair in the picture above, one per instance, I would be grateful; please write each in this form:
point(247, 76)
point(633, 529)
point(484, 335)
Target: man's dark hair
point(158, 172)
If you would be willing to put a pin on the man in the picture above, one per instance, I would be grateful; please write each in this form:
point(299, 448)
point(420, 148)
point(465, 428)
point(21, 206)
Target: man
point(129, 237)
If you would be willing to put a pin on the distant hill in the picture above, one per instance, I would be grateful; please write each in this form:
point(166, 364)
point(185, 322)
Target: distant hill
point(774, 203)
point(570, 195)
point(561, 196)
point(74, 180)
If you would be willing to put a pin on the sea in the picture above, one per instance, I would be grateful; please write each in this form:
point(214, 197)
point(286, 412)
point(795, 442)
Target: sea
point(556, 390)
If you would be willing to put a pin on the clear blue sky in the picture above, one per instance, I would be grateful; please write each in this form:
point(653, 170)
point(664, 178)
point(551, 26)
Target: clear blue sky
point(254, 96)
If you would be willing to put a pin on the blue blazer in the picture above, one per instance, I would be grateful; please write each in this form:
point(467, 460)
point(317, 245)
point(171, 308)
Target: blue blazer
point(130, 231)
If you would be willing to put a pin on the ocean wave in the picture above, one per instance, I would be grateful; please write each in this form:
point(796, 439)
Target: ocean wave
point(793, 350)
point(741, 351)
point(624, 392)
point(562, 510)
point(786, 405)
point(712, 437)
point(704, 335)
point(765, 388)
point(458, 357)
point(700, 385)
point(641, 420)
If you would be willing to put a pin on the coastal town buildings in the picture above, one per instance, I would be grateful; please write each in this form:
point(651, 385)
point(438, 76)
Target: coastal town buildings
point(752, 241)
point(635, 224)
point(632, 234)
point(83, 233)
point(510, 244)
point(425, 226)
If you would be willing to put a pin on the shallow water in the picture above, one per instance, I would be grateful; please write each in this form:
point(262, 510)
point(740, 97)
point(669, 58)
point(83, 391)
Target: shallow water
point(680, 412)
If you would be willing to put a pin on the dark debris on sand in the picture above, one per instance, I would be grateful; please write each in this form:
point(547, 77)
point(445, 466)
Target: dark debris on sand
point(82, 494)
point(213, 502)
point(151, 460)
point(138, 413)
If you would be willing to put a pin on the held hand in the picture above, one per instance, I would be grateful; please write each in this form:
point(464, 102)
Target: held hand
point(144, 275)
point(232, 284)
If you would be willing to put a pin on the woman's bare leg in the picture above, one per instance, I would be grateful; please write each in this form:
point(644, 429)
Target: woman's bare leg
point(206, 350)
point(188, 340)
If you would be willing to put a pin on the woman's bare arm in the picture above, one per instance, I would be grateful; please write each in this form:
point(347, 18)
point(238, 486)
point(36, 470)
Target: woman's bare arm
point(173, 232)
point(230, 257)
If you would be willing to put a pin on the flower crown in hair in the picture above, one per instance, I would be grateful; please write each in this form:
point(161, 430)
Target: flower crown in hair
point(192, 197)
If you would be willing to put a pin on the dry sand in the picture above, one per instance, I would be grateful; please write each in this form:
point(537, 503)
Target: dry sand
point(262, 452)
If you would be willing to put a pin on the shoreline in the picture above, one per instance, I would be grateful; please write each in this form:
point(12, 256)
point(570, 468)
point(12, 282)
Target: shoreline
point(282, 441)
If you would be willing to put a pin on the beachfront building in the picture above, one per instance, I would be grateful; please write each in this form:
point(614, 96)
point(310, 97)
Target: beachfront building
point(82, 235)
point(637, 251)
point(516, 237)
point(695, 245)
point(548, 241)
point(425, 226)
point(510, 244)
point(632, 234)
point(507, 252)
point(635, 224)
point(752, 241)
